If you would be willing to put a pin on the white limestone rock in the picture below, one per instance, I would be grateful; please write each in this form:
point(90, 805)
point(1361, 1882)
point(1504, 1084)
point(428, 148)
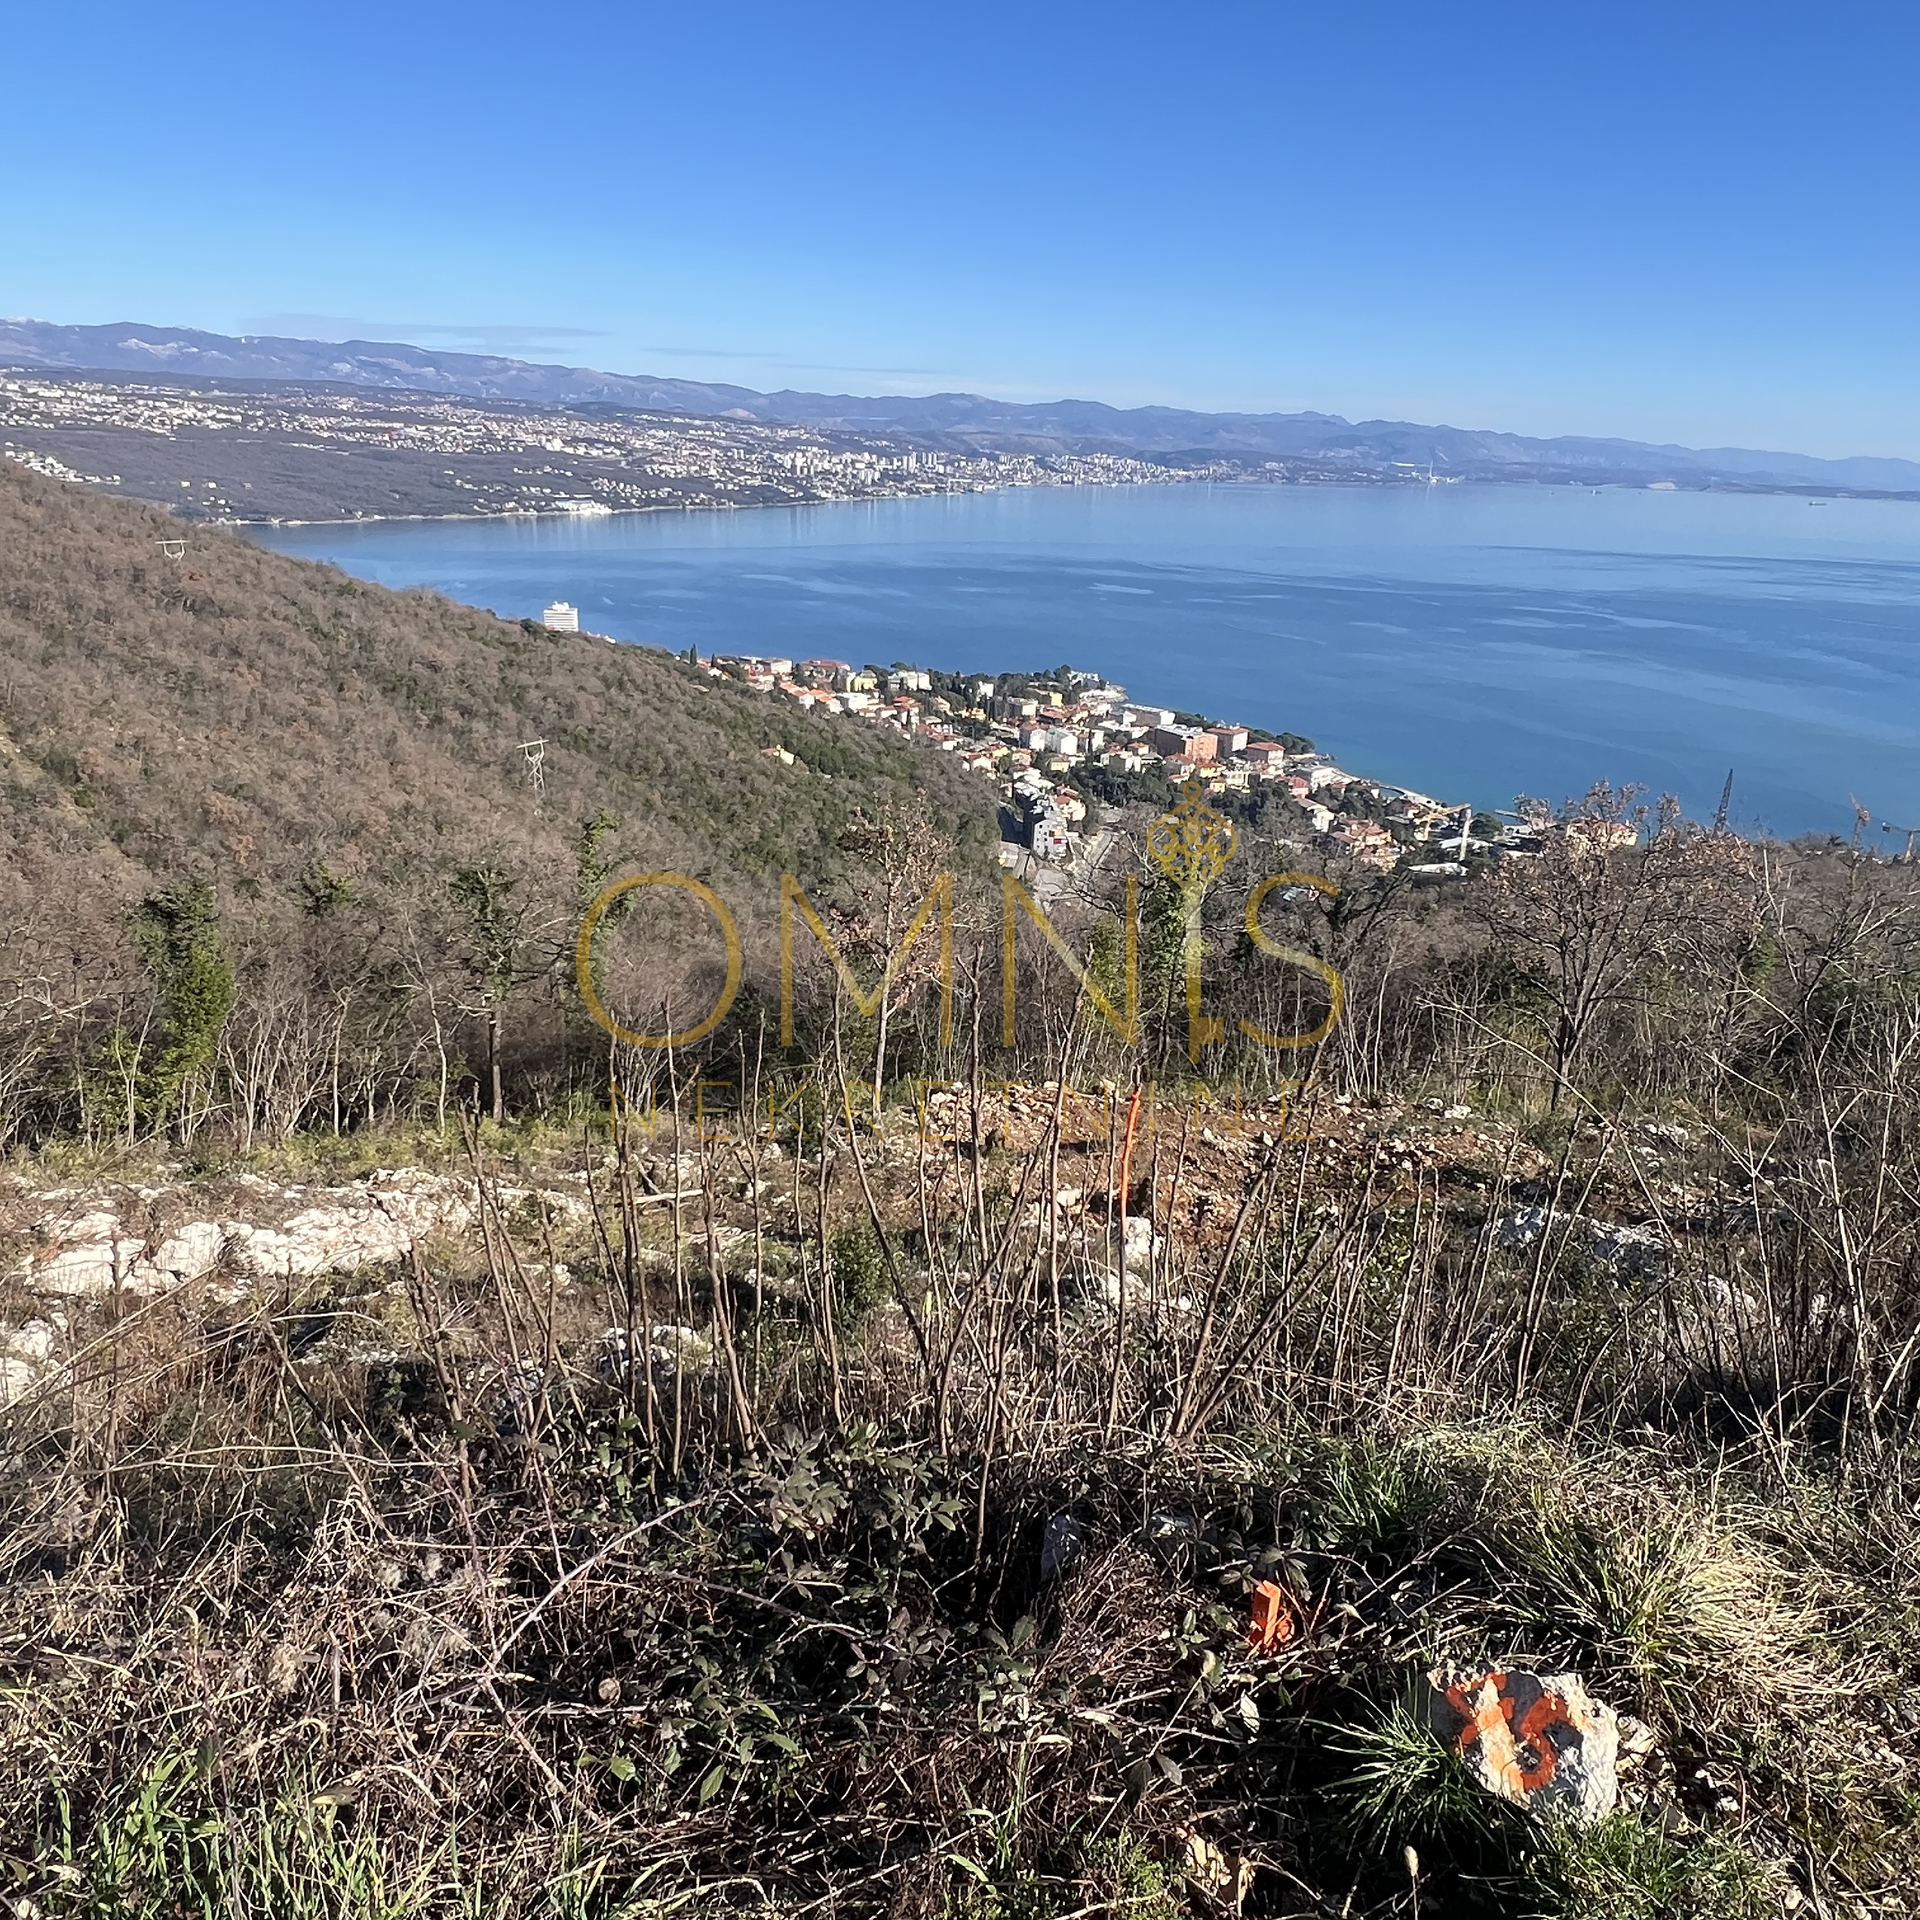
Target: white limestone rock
point(26, 1360)
point(191, 1250)
point(89, 1254)
point(1536, 1740)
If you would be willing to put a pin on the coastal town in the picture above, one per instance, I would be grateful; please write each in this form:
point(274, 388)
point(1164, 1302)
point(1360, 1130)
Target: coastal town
point(1065, 749)
point(254, 454)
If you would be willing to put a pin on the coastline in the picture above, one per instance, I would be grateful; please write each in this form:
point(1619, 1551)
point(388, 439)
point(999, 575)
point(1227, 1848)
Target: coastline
point(1812, 494)
point(788, 506)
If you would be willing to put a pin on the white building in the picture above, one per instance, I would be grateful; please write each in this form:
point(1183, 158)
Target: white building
point(561, 617)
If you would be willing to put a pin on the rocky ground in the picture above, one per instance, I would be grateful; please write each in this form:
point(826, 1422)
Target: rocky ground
point(1631, 1198)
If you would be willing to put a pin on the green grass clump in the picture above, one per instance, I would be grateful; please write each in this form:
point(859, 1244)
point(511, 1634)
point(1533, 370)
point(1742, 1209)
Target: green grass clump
point(1401, 1787)
point(1630, 1869)
point(175, 1846)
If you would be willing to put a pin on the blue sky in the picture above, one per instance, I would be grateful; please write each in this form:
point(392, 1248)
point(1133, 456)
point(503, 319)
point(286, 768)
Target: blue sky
point(1666, 221)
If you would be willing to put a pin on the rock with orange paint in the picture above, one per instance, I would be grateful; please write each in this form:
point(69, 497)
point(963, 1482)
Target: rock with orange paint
point(1539, 1740)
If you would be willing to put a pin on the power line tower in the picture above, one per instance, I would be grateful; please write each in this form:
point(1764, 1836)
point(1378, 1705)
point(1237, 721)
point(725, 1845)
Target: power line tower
point(1726, 800)
point(174, 549)
point(535, 752)
point(1912, 833)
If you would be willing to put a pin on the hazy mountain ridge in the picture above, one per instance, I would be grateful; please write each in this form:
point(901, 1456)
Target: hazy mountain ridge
point(130, 346)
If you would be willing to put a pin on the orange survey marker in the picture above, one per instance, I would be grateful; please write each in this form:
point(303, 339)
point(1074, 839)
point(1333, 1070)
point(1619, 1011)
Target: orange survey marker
point(1273, 1624)
point(1123, 1190)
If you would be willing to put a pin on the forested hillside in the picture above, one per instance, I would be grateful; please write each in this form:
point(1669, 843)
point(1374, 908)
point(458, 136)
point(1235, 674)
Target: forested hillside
point(317, 762)
point(254, 713)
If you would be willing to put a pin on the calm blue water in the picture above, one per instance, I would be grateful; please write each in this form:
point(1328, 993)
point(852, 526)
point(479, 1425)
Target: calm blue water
point(1475, 642)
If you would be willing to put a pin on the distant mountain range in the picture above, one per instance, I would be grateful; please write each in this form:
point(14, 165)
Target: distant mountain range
point(949, 418)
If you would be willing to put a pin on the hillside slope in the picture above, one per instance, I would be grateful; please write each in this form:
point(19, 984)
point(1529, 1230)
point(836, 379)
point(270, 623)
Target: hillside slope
point(248, 713)
point(274, 850)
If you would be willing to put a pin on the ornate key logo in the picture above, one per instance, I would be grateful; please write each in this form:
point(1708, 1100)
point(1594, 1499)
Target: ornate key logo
point(1192, 844)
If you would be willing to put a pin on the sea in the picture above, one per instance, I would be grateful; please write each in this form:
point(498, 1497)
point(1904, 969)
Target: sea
point(1475, 643)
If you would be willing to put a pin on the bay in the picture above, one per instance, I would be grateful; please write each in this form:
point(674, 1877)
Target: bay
point(1474, 642)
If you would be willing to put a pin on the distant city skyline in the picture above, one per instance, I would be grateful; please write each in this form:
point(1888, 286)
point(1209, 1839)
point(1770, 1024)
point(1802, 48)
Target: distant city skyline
point(1693, 225)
